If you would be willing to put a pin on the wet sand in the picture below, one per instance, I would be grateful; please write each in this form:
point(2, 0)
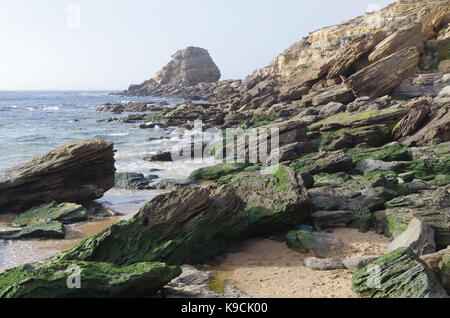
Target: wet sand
point(267, 268)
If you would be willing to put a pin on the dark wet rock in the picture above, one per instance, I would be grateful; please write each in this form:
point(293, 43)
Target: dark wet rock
point(76, 172)
point(131, 180)
point(419, 237)
point(191, 225)
point(323, 264)
point(132, 107)
point(194, 283)
point(324, 219)
point(359, 262)
point(49, 230)
point(308, 179)
point(98, 280)
point(318, 243)
point(162, 157)
point(400, 274)
point(407, 176)
point(66, 213)
point(331, 199)
point(152, 125)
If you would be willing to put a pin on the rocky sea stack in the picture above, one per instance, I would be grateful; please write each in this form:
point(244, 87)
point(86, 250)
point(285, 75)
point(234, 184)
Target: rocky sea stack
point(188, 67)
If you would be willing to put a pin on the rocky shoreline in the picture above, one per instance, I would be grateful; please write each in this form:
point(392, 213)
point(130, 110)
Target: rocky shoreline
point(364, 144)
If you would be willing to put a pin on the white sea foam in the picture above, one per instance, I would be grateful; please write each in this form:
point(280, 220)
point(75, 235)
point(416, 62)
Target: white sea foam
point(119, 134)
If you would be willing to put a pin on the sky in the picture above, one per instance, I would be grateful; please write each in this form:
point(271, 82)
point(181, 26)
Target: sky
point(109, 44)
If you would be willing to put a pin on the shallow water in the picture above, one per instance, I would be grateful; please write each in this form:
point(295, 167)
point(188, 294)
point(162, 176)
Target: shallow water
point(32, 123)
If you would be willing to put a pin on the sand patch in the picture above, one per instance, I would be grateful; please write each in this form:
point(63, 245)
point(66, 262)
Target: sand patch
point(267, 268)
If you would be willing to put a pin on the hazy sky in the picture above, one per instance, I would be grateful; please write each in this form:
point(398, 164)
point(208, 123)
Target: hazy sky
point(108, 44)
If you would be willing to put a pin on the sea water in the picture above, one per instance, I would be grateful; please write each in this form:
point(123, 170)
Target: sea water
point(35, 122)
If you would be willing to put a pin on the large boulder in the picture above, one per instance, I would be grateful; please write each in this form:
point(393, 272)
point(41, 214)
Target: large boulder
point(419, 237)
point(191, 225)
point(76, 172)
point(431, 207)
point(400, 274)
point(383, 76)
point(97, 280)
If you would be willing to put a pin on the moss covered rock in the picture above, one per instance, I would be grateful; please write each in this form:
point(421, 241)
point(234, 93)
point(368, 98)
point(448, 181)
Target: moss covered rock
point(388, 153)
point(53, 229)
point(400, 274)
point(324, 162)
point(97, 280)
point(217, 171)
point(66, 213)
point(191, 225)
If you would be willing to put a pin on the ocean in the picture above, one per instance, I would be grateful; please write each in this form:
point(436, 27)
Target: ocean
point(35, 122)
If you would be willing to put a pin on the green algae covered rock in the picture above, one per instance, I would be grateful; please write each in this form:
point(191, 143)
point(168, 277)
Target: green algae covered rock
point(323, 162)
point(66, 213)
point(191, 225)
point(50, 230)
point(400, 274)
point(217, 171)
point(388, 153)
point(96, 280)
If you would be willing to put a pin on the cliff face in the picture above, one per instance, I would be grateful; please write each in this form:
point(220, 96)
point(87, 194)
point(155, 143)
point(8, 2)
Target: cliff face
point(188, 67)
point(325, 42)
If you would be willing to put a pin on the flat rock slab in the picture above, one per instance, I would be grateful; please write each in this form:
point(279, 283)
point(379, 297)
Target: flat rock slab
point(50, 230)
point(66, 213)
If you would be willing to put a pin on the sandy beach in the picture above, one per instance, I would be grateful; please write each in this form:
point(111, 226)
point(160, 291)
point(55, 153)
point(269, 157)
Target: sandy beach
point(267, 268)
